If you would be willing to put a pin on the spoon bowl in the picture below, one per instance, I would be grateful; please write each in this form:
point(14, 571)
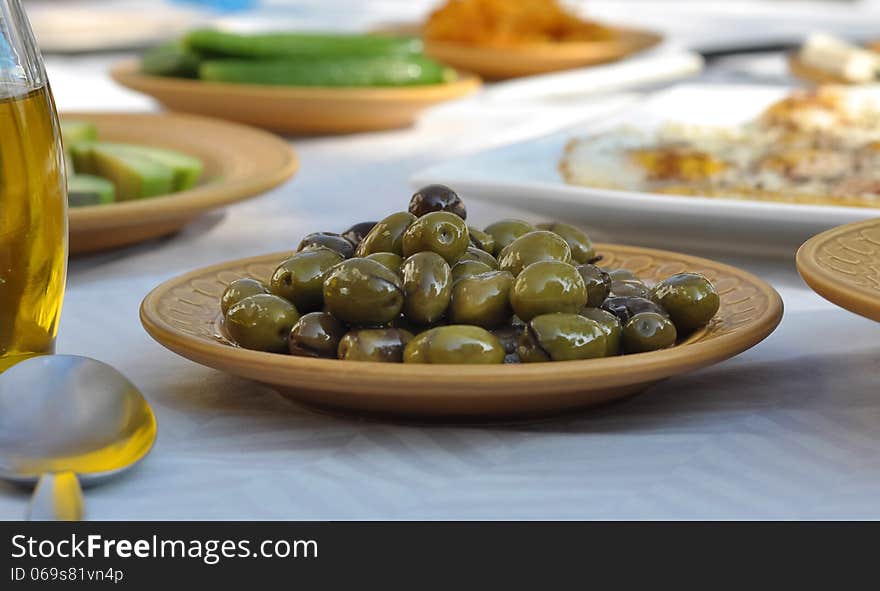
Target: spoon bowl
point(68, 414)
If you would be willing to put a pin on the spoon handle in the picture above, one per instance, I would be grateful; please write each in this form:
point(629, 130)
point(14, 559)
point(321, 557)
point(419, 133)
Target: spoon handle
point(58, 497)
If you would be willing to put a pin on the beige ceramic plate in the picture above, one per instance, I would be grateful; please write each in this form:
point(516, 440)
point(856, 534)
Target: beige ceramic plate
point(182, 315)
point(296, 110)
point(240, 162)
point(497, 63)
point(843, 266)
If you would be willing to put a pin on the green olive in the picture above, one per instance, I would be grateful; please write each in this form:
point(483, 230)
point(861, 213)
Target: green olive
point(598, 284)
point(374, 344)
point(239, 290)
point(648, 331)
point(439, 231)
point(627, 307)
point(361, 291)
point(482, 240)
point(582, 250)
point(690, 299)
point(455, 344)
point(300, 279)
point(506, 231)
point(387, 235)
point(261, 322)
point(562, 337)
point(628, 288)
point(610, 324)
point(328, 240)
point(427, 287)
point(539, 245)
point(393, 262)
point(464, 269)
point(546, 287)
point(482, 300)
point(316, 334)
point(475, 254)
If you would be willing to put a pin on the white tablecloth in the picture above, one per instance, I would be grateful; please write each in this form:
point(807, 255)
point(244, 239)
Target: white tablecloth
point(790, 429)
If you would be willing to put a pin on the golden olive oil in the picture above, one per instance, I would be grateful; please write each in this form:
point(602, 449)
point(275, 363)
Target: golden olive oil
point(33, 225)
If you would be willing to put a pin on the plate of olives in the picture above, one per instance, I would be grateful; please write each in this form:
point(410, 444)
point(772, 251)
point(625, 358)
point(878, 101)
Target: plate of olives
point(422, 315)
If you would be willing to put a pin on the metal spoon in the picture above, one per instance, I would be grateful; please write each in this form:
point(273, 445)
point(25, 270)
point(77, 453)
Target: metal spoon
point(64, 418)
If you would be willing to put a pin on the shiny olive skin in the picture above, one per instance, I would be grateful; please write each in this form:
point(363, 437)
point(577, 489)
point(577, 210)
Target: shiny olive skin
point(315, 334)
point(475, 254)
point(546, 287)
point(357, 232)
point(610, 324)
point(621, 274)
point(539, 245)
point(239, 290)
point(690, 299)
point(436, 198)
point(463, 269)
point(327, 240)
point(383, 345)
point(261, 322)
point(427, 287)
point(439, 231)
point(386, 235)
point(481, 240)
point(482, 300)
point(300, 279)
point(627, 307)
point(562, 337)
point(598, 284)
point(648, 331)
point(628, 288)
point(456, 343)
point(393, 262)
point(506, 231)
point(361, 291)
point(581, 246)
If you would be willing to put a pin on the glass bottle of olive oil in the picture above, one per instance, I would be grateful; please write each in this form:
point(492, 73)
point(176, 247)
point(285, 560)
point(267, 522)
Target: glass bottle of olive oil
point(33, 197)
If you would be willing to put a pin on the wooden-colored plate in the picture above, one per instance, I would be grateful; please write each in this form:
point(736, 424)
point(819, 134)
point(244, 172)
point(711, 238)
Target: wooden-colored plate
point(498, 63)
point(183, 313)
point(843, 266)
point(240, 162)
point(296, 110)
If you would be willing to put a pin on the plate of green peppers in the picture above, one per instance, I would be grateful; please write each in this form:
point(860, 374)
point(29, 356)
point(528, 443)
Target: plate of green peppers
point(297, 83)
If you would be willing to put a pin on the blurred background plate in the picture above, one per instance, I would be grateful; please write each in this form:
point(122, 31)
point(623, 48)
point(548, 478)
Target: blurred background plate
point(182, 315)
point(843, 266)
point(77, 27)
point(296, 110)
point(240, 162)
point(526, 175)
point(498, 63)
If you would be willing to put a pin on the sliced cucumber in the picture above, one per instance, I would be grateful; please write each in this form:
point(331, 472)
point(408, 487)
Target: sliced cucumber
point(134, 175)
point(187, 169)
point(86, 189)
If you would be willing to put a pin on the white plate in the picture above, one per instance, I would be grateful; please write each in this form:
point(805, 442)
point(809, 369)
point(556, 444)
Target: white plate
point(525, 175)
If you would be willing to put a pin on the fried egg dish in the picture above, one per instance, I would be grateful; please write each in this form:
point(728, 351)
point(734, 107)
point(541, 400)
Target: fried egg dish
point(818, 146)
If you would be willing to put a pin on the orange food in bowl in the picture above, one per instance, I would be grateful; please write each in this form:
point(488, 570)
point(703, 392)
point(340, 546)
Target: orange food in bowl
point(503, 23)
